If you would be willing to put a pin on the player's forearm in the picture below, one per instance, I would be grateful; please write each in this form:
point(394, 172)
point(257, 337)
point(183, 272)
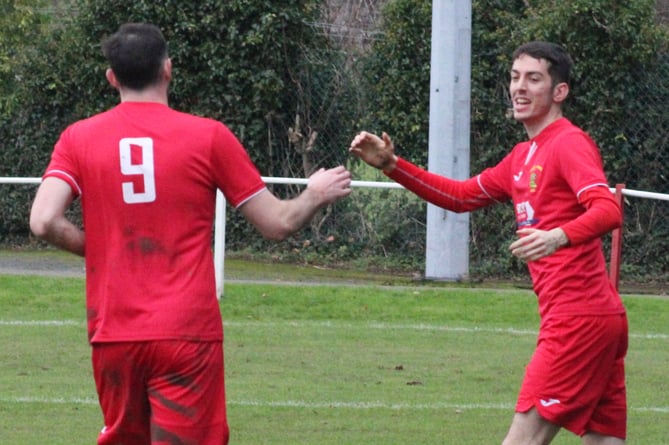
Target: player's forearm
point(296, 213)
point(277, 219)
point(451, 194)
point(61, 233)
point(602, 215)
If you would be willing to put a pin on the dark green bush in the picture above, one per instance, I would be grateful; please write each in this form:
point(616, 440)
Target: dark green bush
point(296, 97)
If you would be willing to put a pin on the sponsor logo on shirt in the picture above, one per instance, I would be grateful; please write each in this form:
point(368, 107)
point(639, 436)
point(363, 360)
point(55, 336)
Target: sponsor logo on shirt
point(525, 214)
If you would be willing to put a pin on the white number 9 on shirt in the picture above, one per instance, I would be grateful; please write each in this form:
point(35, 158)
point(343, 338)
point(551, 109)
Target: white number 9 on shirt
point(144, 168)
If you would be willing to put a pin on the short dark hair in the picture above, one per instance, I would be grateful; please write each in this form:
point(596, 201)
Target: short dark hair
point(559, 60)
point(135, 54)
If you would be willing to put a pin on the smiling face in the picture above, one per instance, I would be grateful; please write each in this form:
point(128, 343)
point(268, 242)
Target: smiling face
point(536, 101)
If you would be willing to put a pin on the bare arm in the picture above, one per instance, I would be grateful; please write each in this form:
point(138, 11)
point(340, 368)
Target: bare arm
point(277, 219)
point(47, 217)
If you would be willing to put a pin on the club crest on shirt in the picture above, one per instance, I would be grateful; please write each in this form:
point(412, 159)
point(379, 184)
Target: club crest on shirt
point(535, 173)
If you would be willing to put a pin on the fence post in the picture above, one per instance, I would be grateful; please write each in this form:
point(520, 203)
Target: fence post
point(219, 243)
point(617, 240)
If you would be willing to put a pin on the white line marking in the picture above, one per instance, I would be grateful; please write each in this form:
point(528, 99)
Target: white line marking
point(379, 326)
point(51, 400)
point(371, 405)
point(41, 323)
point(322, 405)
point(342, 325)
point(413, 327)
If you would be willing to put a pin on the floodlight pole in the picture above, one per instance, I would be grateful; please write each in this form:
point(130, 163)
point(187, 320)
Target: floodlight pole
point(447, 242)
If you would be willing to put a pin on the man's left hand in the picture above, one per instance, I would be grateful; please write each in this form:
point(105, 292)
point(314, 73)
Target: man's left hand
point(534, 244)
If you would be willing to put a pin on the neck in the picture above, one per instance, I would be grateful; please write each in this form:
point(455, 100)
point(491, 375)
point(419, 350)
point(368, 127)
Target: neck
point(157, 95)
point(533, 128)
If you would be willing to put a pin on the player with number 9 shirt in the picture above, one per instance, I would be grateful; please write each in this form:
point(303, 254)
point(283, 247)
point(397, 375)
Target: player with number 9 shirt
point(147, 177)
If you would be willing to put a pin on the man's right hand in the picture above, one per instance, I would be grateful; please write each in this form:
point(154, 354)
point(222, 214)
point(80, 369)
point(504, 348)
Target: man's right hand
point(276, 219)
point(330, 185)
point(375, 151)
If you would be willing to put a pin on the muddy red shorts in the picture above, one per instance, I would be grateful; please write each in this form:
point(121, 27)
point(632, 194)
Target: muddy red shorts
point(576, 377)
point(161, 392)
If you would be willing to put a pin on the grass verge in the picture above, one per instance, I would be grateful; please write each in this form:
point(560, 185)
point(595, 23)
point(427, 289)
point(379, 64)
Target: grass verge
point(308, 364)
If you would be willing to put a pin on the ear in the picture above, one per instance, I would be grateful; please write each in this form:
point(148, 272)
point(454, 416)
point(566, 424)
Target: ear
point(167, 69)
point(111, 78)
point(560, 92)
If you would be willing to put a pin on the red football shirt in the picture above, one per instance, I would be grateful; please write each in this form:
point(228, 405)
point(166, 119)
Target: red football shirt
point(544, 178)
point(147, 176)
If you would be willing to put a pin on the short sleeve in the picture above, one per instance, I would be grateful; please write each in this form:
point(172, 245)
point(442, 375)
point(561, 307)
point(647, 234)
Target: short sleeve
point(234, 172)
point(63, 163)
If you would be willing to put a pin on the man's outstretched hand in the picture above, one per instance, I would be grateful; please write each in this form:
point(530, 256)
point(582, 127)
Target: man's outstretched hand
point(330, 185)
point(379, 152)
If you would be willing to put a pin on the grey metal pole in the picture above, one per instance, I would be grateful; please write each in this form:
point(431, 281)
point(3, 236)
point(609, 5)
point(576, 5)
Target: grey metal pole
point(447, 243)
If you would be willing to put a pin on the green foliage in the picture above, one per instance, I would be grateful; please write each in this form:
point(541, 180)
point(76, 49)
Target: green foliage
point(21, 26)
point(386, 224)
point(620, 55)
point(493, 132)
point(612, 45)
point(397, 74)
point(247, 63)
point(234, 61)
point(23, 35)
point(295, 97)
point(395, 94)
point(616, 49)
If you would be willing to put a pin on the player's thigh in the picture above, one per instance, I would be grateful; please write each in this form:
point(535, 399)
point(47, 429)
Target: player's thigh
point(610, 415)
point(120, 371)
point(598, 439)
point(187, 394)
point(529, 428)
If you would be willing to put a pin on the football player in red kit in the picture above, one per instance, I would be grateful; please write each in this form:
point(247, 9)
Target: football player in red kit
point(147, 177)
point(555, 180)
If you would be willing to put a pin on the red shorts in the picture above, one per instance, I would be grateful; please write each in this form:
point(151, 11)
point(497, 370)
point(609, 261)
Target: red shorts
point(576, 377)
point(161, 392)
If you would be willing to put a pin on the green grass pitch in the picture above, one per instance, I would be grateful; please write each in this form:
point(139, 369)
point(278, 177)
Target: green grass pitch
point(325, 365)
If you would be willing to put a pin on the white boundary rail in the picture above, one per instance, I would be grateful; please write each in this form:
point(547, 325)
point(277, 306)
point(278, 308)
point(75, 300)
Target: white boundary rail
point(219, 223)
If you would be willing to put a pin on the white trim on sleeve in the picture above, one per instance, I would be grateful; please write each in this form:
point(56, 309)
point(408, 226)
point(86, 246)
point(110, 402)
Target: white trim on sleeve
point(66, 174)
